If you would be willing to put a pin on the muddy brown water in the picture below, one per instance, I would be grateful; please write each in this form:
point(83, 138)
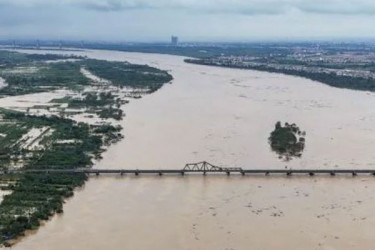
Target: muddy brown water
point(224, 116)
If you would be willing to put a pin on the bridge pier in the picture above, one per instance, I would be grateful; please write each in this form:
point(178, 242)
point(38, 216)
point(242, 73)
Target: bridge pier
point(136, 173)
point(288, 173)
point(243, 173)
point(160, 173)
point(354, 173)
point(204, 172)
point(182, 173)
point(121, 173)
point(228, 173)
point(97, 173)
point(332, 173)
point(267, 173)
point(311, 174)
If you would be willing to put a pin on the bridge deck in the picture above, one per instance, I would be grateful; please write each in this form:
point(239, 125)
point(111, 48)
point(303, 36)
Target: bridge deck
point(184, 171)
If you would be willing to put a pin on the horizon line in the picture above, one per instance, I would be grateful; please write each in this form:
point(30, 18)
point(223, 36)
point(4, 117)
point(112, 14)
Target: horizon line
point(192, 41)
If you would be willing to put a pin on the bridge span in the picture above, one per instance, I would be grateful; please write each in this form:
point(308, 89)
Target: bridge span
point(197, 168)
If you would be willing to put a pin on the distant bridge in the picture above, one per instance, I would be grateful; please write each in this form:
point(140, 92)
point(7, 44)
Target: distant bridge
point(194, 168)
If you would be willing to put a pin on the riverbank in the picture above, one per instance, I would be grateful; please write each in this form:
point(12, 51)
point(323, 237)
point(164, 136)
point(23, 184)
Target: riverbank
point(340, 78)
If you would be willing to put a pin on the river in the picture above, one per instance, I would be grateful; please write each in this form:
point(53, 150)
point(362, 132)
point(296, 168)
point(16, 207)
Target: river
point(224, 116)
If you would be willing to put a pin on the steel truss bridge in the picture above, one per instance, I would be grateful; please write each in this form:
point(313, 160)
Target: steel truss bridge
point(195, 168)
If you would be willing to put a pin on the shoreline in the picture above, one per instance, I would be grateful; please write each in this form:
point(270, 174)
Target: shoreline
point(102, 130)
point(298, 74)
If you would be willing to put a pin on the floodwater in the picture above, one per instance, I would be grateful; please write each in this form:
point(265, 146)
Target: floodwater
point(224, 116)
point(28, 101)
point(2, 83)
point(2, 194)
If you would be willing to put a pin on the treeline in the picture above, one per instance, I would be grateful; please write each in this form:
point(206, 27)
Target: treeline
point(36, 197)
point(331, 79)
point(12, 59)
point(88, 140)
point(198, 51)
point(51, 76)
point(104, 104)
point(124, 74)
point(47, 77)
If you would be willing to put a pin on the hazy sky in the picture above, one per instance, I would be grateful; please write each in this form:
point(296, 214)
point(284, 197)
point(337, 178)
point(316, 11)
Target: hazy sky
point(191, 20)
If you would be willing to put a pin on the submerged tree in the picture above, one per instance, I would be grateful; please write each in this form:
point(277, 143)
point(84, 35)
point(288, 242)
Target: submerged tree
point(287, 141)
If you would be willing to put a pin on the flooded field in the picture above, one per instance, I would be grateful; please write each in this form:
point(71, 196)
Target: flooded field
point(225, 116)
point(2, 83)
point(2, 193)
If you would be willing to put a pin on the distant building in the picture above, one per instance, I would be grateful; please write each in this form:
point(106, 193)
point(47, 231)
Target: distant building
point(174, 40)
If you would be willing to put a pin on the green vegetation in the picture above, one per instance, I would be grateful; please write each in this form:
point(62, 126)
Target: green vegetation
point(47, 77)
point(104, 104)
point(35, 197)
point(92, 99)
point(87, 140)
point(9, 59)
point(331, 79)
point(60, 143)
point(10, 135)
point(123, 74)
point(51, 57)
point(25, 74)
point(111, 112)
point(288, 141)
point(197, 50)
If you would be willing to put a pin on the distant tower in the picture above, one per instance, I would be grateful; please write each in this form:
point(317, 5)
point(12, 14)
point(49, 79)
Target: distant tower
point(174, 40)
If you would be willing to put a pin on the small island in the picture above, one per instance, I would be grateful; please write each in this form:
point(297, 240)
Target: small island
point(287, 141)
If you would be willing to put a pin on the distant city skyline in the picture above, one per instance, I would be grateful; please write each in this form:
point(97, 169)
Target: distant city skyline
point(190, 20)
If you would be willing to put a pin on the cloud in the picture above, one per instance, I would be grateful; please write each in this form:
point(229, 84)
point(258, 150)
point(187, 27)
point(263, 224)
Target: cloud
point(156, 20)
point(253, 7)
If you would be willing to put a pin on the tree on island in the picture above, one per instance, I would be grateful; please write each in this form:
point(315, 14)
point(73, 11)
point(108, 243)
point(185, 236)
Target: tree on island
point(287, 141)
